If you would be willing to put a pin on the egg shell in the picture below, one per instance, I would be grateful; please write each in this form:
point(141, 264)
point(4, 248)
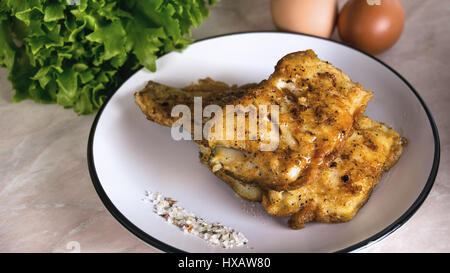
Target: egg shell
point(315, 17)
point(371, 28)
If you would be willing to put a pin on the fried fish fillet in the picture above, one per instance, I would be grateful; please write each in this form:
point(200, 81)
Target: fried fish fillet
point(346, 184)
point(340, 191)
point(317, 102)
point(157, 100)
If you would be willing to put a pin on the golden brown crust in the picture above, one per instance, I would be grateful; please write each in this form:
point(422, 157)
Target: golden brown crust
point(157, 100)
point(339, 154)
point(250, 192)
point(346, 184)
point(318, 105)
point(331, 199)
point(306, 214)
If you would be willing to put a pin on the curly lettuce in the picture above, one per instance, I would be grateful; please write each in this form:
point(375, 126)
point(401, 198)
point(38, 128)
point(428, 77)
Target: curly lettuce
point(77, 52)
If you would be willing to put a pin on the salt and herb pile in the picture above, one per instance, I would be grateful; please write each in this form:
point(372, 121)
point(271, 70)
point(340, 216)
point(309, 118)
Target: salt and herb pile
point(216, 234)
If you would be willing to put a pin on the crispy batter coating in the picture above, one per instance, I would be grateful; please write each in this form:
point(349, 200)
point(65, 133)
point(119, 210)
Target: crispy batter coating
point(347, 182)
point(157, 100)
point(329, 157)
point(343, 188)
point(318, 104)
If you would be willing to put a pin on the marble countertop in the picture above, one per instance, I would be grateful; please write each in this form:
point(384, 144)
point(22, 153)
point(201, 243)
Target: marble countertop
point(48, 203)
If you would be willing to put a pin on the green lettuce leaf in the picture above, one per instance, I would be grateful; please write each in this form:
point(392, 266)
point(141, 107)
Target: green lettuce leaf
point(76, 53)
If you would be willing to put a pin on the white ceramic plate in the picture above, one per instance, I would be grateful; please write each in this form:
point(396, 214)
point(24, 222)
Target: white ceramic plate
point(128, 154)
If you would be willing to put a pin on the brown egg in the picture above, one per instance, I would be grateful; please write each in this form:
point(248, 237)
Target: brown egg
point(315, 17)
point(372, 26)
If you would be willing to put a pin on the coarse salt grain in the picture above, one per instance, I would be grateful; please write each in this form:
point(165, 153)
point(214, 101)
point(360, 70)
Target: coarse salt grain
point(215, 234)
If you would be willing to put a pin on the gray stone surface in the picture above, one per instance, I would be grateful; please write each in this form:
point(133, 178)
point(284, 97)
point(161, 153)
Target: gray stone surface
point(46, 196)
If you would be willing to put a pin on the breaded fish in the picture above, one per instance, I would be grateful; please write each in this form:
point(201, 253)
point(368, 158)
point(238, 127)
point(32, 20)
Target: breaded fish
point(347, 182)
point(345, 185)
point(317, 102)
point(340, 191)
point(157, 100)
point(343, 188)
